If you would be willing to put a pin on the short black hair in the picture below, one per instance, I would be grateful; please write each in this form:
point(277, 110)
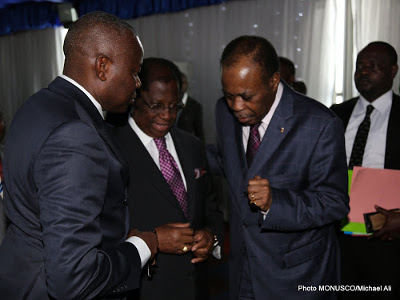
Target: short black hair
point(149, 72)
point(81, 33)
point(259, 49)
point(390, 51)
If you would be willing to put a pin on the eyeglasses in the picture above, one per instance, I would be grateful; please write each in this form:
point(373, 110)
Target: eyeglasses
point(160, 107)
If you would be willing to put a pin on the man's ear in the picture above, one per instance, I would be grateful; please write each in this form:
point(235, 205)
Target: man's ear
point(274, 81)
point(395, 68)
point(101, 66)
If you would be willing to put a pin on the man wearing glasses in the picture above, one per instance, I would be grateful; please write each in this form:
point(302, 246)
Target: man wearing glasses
point(169, 190)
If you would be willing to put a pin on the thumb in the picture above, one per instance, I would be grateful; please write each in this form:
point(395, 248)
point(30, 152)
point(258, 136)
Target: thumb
point(179, 225)
point(381, 210)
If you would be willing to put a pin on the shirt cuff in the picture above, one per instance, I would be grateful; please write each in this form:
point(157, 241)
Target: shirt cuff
point(142, 248)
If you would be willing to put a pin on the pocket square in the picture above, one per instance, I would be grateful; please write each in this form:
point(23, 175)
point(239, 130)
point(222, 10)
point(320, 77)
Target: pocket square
point(198, 172)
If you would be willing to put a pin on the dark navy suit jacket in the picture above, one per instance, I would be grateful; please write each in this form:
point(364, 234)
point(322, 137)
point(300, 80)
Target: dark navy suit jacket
point(152, 203)
point(65, 199)
point(302, 154)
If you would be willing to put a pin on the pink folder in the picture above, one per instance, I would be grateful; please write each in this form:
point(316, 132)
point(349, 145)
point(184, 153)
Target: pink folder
point(373, 186)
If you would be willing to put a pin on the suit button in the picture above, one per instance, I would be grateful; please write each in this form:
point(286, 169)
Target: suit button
point(244, 225)
point(244, 194)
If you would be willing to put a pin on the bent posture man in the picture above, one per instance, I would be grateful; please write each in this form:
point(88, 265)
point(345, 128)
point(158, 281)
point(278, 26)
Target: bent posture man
point(65, 179)
point(286, 168)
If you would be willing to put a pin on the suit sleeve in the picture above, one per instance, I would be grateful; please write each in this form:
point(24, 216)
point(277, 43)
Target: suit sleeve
point(71, 174)
point(325, 199)
point(214, 217)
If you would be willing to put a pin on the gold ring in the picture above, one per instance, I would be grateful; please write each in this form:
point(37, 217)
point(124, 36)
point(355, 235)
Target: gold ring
point(185, 249)
point(253, 202)
point(252, 196)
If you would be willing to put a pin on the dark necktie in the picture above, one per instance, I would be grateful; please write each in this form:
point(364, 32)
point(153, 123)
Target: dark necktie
point(360, 141)
point(252, 144)
point(171, 173)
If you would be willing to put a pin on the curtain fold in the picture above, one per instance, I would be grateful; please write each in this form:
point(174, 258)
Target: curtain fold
point(301, 30)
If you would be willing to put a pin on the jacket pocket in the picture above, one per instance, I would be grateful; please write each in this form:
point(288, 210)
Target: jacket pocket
point(305, 253)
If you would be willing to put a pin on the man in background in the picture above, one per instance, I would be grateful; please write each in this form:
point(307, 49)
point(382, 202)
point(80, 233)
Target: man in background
point(285, 164)
point(372, 123)
point(190, 118)
point(169, 188)
point(65, 179)
point(287, 70)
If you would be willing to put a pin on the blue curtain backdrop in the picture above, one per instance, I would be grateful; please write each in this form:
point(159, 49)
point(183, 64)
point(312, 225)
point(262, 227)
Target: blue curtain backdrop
point(19, 15)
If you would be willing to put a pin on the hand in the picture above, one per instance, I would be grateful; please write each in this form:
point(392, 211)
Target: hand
point(259, 193)
point(150, 238)
point(203, 245)
point(173, 237)
point(391, 228)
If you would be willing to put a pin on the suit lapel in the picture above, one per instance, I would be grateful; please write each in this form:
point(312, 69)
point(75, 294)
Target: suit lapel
point(184, 160)
point(100, 125)
point(277, 130)
point(146, 164)
point(392, 160)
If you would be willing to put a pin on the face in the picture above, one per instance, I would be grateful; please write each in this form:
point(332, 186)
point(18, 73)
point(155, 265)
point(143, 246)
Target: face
point(248, 94)
point(374, 74)
point(157, 123)
point(122, 78)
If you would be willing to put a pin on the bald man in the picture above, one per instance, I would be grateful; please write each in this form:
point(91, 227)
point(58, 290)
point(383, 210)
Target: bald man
point(65, 188)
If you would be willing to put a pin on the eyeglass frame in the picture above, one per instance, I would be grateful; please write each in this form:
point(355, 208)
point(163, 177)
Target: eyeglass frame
point(160, 107)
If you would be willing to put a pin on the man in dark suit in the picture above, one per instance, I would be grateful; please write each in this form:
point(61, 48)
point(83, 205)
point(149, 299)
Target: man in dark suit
point(190, 118)
point(186, 222)
point(65, 180)
point(285, 164)
point(373, 261)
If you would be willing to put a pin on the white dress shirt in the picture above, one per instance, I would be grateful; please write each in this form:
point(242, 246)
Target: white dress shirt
point(150, 145)
point(141, 246)
point(374, 154)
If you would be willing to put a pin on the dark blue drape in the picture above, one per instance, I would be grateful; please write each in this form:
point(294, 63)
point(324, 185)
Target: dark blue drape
point(18, 15)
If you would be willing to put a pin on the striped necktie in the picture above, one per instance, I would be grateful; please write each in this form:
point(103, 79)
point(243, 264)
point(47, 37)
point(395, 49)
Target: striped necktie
point(360, 140)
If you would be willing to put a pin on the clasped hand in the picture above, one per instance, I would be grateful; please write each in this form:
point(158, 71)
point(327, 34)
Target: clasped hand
point(179, 238)
point(259, 193)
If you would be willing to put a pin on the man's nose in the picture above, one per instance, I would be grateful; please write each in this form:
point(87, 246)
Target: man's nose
point(238, 104)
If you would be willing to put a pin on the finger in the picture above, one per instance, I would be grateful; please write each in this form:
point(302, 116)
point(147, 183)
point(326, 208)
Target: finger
point(382, 210)
point(179, 225)
point(198, 260)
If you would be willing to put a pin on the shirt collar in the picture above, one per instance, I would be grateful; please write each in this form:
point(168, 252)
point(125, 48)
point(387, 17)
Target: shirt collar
point(146, 139)
point(381, 104)
point(95, 103)
point(271, 111)
point(184, 98)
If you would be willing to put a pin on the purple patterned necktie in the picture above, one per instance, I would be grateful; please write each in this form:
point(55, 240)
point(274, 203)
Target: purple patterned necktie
point(252, 144)
point(171, 173)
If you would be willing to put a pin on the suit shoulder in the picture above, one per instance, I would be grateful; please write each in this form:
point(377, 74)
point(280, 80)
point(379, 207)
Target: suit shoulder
point(348, 104)
point(186, 137)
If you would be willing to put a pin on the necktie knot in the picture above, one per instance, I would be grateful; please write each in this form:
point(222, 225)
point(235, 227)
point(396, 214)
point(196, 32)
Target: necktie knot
point(253, 143)
point(254, 129)
point(370, 108)
point(160, 143)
